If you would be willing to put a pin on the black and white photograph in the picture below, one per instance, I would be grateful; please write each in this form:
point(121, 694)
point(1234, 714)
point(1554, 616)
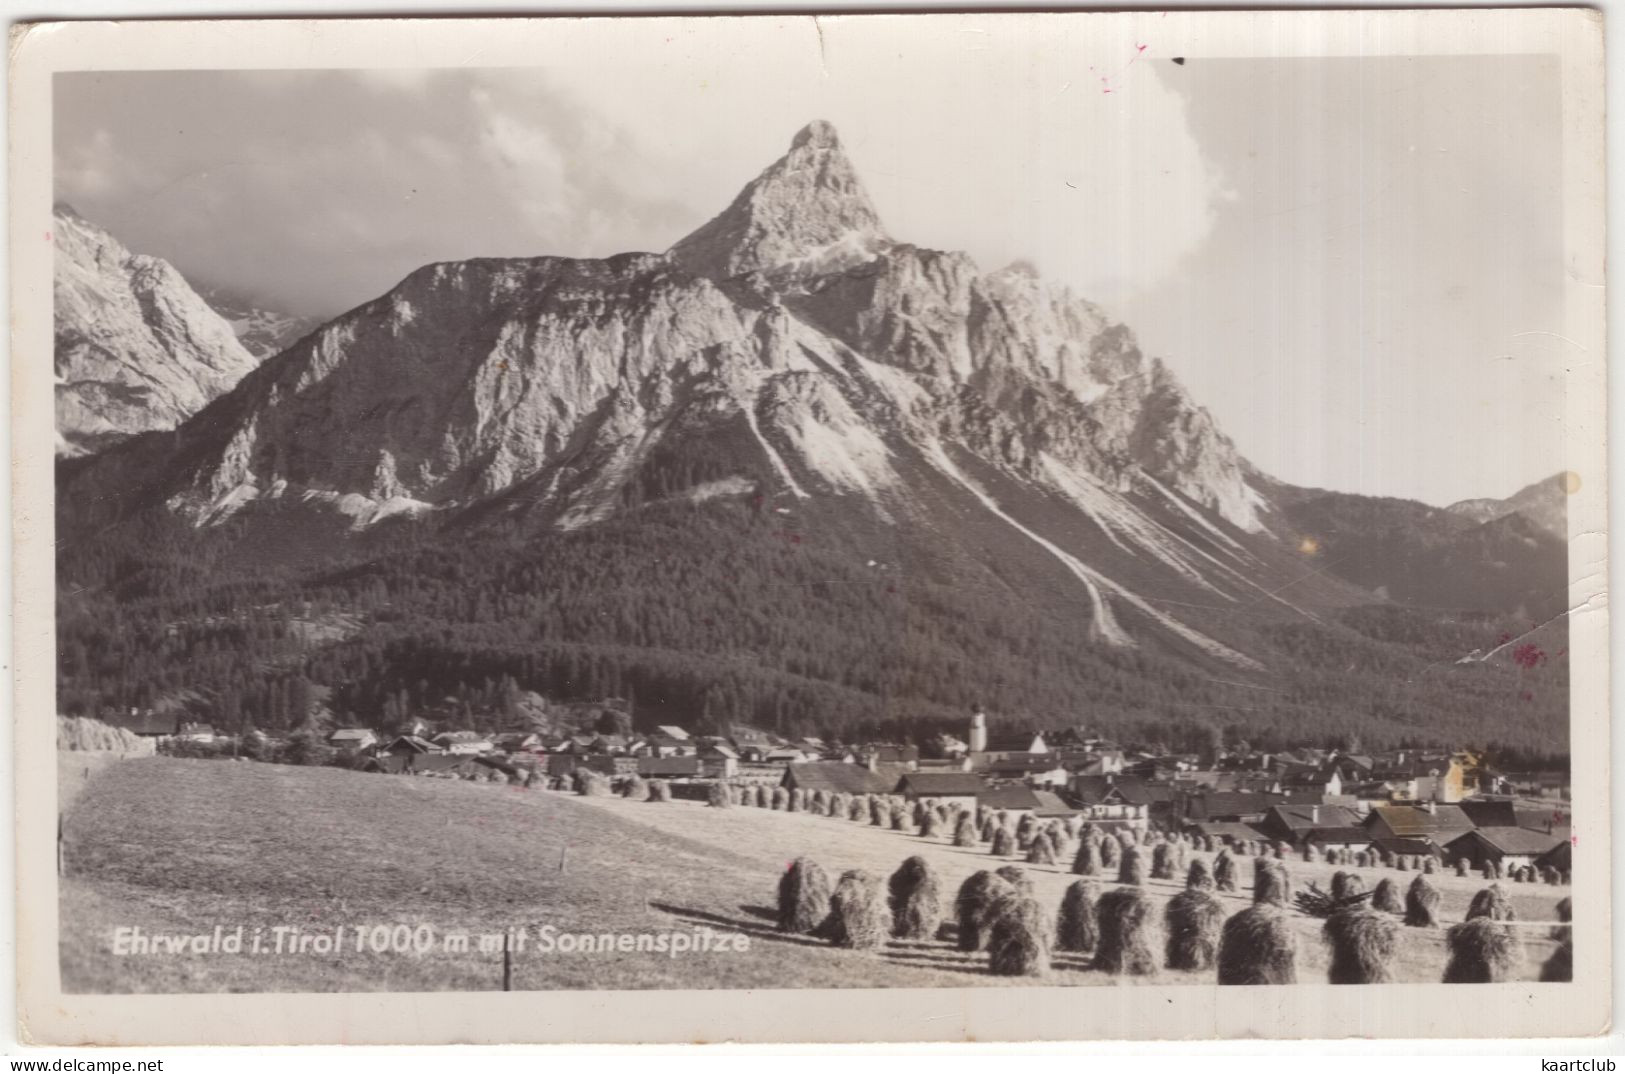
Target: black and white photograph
point(834, 504)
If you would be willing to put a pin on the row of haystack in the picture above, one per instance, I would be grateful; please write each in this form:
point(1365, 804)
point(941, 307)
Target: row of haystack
point(997, 912)
point(83, 733)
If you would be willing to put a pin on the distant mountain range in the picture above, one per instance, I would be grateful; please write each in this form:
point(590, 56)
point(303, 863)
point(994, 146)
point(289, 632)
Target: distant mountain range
point(137, 347)
point(993, 445)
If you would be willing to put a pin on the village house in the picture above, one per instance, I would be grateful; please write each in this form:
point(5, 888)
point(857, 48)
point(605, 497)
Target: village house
point(519, 742)
point(942, 786)
point(410, 745)
point(1560, 857)
point(1293, 823)
point(1038, 769)
point(788, 755)
point(463, 743)
point(682, 768)
point(718, 761)
point(957, 763)
point(1323, 839)
point(834, 777)
point(1235, 807)
point(352, 738)
point(442, 765)
point(1019, 800)
point(663, 745)
point(1429, 823)
point(1510, 847)
point(906, 758)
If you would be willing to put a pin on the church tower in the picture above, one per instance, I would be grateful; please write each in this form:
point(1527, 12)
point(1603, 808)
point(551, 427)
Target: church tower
point(978, 731)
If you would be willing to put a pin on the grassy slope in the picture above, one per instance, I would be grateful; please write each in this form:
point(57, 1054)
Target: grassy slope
point(187, 845)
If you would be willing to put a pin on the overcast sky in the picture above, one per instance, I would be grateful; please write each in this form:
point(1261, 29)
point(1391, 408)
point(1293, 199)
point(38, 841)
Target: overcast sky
point(1355, 264)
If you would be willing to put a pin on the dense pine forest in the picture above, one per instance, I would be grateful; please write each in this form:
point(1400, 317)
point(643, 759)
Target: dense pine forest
point(720, 614)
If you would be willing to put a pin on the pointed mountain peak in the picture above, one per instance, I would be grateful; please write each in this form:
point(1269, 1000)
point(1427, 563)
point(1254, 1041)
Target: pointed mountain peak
point(820, 134)
point(806, 214)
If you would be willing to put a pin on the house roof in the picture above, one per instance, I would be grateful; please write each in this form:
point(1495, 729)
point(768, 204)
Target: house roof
point(1404, 846)
point(1511, 840)
point(1022, 764)
point(837, 777)
point(1491, 813)
point(1013, 742)
point(1229, 804)
point(415, 743)
point(1050, 804)
point(441, 762)
point(672, 731)
point(719, 750)
point(1405, 820)
point(351, 734)
point(897, 753)
point(1010, 798)
point(791, 755)
point(668, 766)
point(1560, 857)
point(1304, 817)
point(941, 783)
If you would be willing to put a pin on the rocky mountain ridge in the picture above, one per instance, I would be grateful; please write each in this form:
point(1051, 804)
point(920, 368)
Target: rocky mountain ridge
point(788, 353)
point(137, 349)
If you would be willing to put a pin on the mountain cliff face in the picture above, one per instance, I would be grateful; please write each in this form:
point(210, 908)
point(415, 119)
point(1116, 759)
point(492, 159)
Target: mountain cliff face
point(1543, 505)
point(989, 438)
point(262, 332)
point(136, 348)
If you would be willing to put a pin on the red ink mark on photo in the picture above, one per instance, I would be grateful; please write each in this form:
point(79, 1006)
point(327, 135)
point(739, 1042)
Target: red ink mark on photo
point(1529, 656)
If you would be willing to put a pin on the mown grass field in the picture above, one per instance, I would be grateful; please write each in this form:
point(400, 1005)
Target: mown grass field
point(183, 846)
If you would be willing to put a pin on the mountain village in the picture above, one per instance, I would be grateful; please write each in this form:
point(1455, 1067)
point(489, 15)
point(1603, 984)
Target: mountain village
point(1449, 806)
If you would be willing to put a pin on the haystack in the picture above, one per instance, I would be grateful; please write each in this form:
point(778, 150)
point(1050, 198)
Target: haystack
point(1492, 902)
point(1560, 965)
point(1128, 939)
point(1132, 868)
point(858, 915)
point(1191, 920)
point(1346, 885)
point(1482, 951)
point(1087, 860)
point(1362, 943)
point(1016, 877)
point(1198, 877)
point(1258, 947)
point(1077, 928)
point(916, 900)
point(1018, 937)
point(803, 896)
point(1421, 903)
point(971, 904)
point(1385, 897)
point(1270, 883)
